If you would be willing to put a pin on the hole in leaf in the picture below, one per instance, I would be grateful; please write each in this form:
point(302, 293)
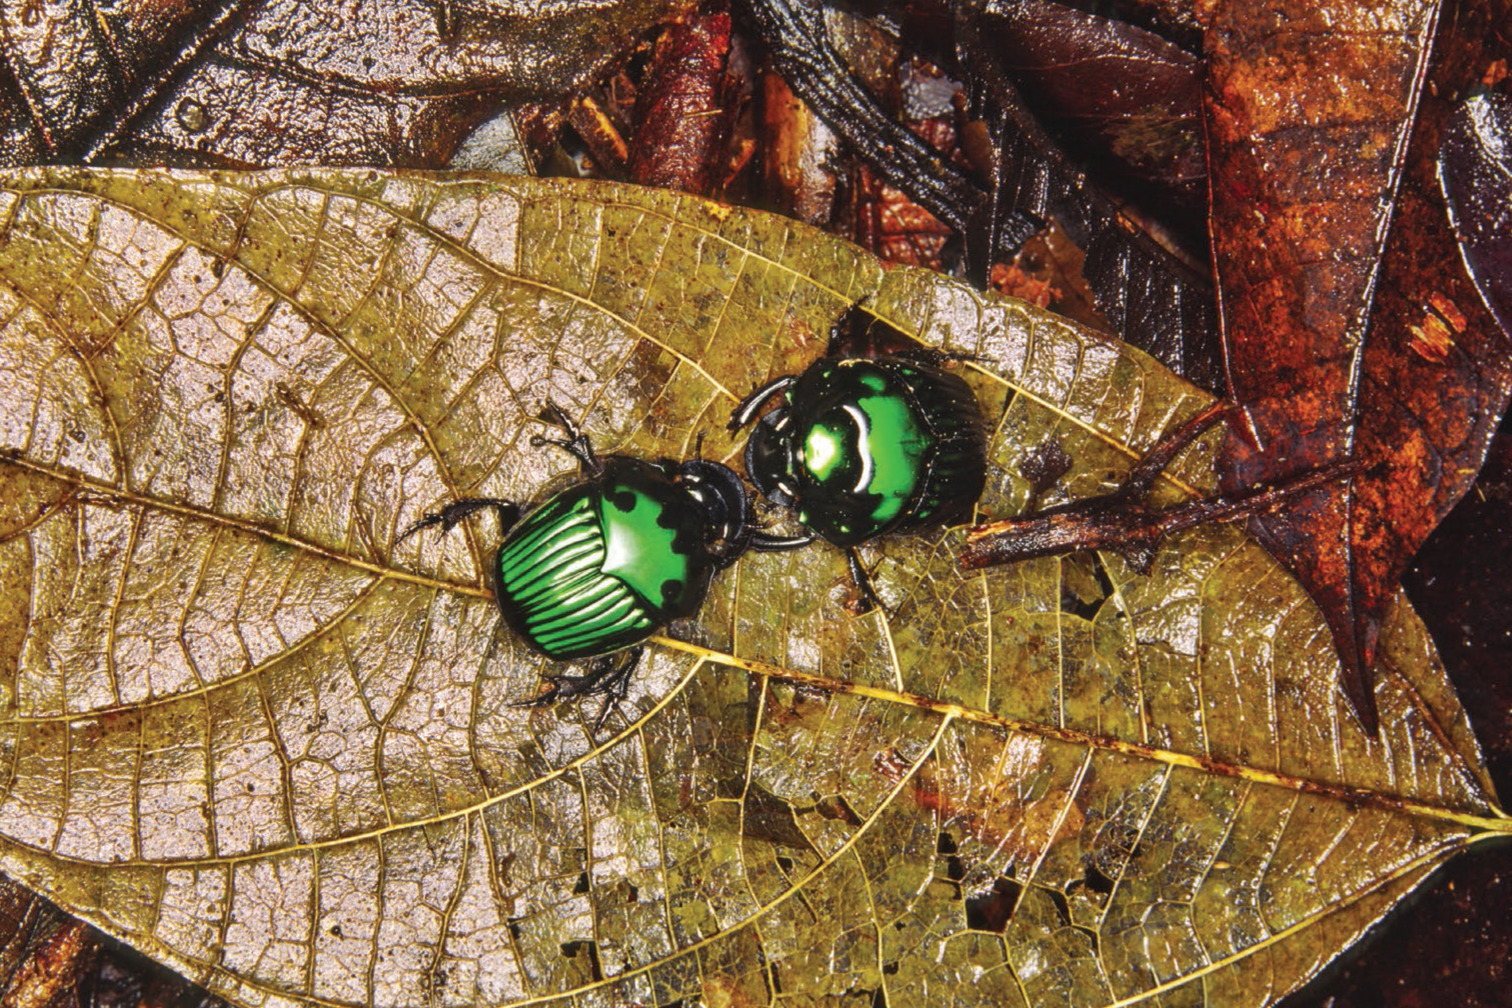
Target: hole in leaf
point(1079, 600)
point(572, 949)
point(991, 910)
point(1098, 881)
point(945, 844)
point(1062, 906)
point(582, 884)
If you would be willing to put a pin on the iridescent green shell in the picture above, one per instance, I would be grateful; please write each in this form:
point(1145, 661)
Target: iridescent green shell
point(603, 564)
point(882, 445)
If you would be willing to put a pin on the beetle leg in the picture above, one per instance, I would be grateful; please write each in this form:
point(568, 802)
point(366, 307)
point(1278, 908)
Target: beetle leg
point(763, 543)
point(576, 442)
point(861, 577)
point(605, 675)
point(456, 511)
point(751, 404)
point(616, 686)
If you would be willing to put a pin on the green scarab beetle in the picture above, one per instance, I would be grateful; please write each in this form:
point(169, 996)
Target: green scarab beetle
point(600, 566)
point(863, 446)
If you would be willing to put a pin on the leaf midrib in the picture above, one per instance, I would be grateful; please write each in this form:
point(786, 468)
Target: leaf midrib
point(1498, 821)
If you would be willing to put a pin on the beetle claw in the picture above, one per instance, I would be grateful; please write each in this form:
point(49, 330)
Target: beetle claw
point(604, 676)
point(576, 443)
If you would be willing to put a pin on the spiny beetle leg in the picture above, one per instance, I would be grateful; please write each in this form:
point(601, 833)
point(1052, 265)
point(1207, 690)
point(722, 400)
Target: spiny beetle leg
point(576, 442)
point(449, 516)
point(607, 674)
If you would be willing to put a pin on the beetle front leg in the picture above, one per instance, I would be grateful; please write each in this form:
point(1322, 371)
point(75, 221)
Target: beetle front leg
point(746, 411)
point(455, 512)
point(576, 443)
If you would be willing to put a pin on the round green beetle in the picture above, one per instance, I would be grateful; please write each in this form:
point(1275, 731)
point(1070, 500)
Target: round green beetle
point(860, 447)
point(602, 565)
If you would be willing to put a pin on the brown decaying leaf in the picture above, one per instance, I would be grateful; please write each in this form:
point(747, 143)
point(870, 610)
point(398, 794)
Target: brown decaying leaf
point(684, 109)
point(394, 83)
point(794, 34)
point(797, 153)
point(1320, 309)
point(885, 222)
point(1475, 167)
point(42, 951)
point(54, 967)
point(71, 69)
point(1108, 88)
point(1145, 294)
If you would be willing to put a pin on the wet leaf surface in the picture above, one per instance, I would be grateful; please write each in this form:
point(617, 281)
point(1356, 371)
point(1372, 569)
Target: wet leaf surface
point(1475, 167)
point(250, 738)
point(1148, 296)
point(1126, 101)
point(246, 83)
point(1341, 283)
point(794, 32)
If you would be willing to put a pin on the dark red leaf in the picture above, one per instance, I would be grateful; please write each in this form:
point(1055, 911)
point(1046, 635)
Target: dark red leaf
point(1128, 100)
point(1145, 293)
point(684, 109)
point(1475, 168)
point(1342, 343)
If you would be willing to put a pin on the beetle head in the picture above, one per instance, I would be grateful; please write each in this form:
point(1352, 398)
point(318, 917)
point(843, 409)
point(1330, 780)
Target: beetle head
point(769, 457)
point(725, 504)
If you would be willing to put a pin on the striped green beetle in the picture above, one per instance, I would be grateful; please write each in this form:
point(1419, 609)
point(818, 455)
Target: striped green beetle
point(600, 566)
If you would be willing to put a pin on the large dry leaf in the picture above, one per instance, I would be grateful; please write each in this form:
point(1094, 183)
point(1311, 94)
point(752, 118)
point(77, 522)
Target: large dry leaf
point(1353, 331)
point(247, 736)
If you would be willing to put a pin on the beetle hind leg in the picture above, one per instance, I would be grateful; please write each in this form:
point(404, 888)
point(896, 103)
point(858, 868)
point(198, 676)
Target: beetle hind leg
point(608, 675)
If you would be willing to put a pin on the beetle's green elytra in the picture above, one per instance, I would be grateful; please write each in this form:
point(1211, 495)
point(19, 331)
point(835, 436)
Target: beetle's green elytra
point(603, 564)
